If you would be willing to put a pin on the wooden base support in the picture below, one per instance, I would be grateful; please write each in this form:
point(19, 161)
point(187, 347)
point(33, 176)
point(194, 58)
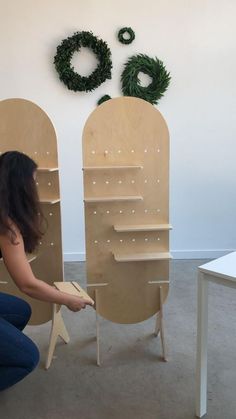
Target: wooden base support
point(96, 287)
point(58, 326)
point(97, 328)
point(58, 329)
point(159, 328)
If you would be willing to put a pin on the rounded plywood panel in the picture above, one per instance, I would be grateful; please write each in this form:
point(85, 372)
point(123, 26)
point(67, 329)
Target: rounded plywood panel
point(25, 127)
point(126, 195)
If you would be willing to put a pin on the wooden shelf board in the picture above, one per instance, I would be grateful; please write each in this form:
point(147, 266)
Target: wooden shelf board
point(135, 257)
point(47, 169)
point(142, 227)
point(125, 167)
point(49, 201)
point(113, 198)
point(97, 285)
point(30, 258)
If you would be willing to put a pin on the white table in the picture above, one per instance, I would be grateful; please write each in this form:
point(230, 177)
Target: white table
point(221, 271)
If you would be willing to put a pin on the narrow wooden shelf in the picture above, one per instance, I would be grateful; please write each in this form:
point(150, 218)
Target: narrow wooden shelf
point(142, 227)
point(30, 258)
point(47, 169)
point(49, 201)
point(139, 257)
point(125, 167)
point(113, 198)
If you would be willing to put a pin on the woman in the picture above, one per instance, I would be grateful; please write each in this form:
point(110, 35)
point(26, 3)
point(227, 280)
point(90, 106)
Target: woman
point(21, 228)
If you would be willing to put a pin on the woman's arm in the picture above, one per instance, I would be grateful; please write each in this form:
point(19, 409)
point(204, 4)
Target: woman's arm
point(19, 269)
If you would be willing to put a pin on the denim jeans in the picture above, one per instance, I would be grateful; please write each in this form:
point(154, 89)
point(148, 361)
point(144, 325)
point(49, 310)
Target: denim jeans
point(18, 354)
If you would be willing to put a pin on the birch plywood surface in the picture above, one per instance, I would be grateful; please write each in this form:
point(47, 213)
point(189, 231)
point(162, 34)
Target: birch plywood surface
point(25, 127)
point(126, 155)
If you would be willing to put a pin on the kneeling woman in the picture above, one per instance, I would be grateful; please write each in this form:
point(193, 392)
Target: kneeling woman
point(21, 222)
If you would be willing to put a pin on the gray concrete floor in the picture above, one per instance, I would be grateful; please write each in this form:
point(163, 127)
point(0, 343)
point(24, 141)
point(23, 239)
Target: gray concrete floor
point(133, 382)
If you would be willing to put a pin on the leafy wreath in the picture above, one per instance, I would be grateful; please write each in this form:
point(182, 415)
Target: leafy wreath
point(128, 31)
point(154, 68)
point(66, 71)
point(103, 99)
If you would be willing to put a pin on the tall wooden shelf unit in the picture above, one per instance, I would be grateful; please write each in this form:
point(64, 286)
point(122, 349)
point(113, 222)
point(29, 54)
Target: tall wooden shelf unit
point(126, 199)
point(25, 127)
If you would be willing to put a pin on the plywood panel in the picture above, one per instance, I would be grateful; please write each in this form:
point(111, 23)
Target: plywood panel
point(25, 127)
point(125, 133)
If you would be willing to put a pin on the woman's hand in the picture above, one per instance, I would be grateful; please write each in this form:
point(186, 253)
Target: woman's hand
point(77, 303)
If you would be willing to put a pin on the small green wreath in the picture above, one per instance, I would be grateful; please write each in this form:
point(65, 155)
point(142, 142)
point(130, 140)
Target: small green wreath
point(68, 75)
point(154, 68)
point(124, 31)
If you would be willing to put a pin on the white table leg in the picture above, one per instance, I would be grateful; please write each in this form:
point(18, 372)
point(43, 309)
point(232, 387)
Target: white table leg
point(202, 331)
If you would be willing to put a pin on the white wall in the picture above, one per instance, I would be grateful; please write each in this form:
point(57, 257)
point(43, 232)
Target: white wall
point(196, 41)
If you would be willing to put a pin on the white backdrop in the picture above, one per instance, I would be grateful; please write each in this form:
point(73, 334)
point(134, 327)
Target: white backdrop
point(196, 41)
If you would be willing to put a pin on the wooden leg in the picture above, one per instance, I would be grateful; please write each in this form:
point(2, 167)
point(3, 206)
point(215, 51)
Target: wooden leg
point(159, 324)
point(97, 328)
point(162, 326)
point(58, 329)
point(202, 332)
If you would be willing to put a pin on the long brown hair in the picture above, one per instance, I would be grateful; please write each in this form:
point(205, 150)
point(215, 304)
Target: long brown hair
point(19, 201)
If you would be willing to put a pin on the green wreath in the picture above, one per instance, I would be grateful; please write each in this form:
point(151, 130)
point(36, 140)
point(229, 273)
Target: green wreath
point(68, 75)
point(154, 68)
point(128, 31)
point(104, 98)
